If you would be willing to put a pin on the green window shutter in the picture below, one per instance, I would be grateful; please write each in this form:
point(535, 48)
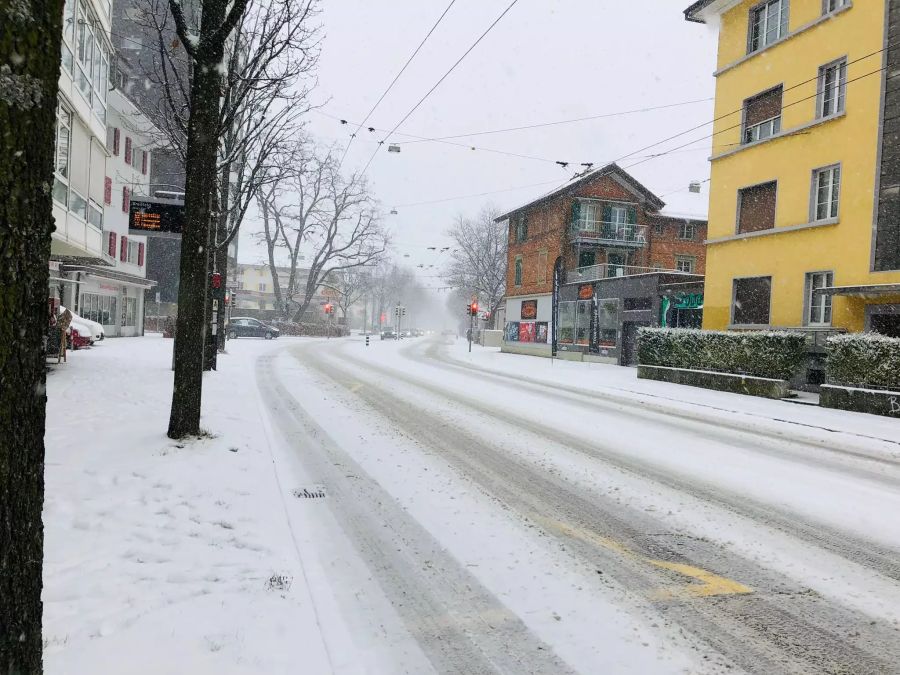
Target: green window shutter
point(631, 214)
point(576, 212)
point(607, 213)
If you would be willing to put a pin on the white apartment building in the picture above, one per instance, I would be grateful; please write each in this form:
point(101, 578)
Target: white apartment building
point(102, 158)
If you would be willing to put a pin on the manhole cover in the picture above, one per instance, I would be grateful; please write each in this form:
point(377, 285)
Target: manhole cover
point(313, 492)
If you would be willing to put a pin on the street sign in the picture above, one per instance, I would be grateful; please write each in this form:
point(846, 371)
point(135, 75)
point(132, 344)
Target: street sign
point(155, 218)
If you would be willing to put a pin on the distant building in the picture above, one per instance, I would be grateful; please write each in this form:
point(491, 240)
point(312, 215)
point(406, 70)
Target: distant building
point(805, 192)
point(253, 289)
point(593, 261)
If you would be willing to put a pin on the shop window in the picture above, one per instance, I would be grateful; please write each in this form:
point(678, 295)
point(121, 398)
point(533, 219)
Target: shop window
point(566, 329)
point(608, 322)
point(129, 312)
point(99, 308)
point(752, 299)
point(583, 322)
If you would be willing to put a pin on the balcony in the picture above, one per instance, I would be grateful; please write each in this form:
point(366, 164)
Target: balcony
point(609, 271)
point(602, 233)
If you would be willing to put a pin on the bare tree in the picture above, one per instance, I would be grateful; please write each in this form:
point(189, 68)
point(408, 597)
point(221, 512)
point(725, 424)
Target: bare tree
point(350, 286)
point(310, 207)
point(207, 50)
point(30, 37)
point(479, 260)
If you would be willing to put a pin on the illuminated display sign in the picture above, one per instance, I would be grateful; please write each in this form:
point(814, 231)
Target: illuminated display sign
point(152, 217)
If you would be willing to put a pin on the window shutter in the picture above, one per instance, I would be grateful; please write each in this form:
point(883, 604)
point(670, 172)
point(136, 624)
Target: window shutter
point(140, 255)
point(631, 214)
point(107, 190)
point(128, 149)
point(757, 207)
point(763, 107)
point(112, 245)
point(144, 162)
point(123, 249)
point(116, 141)
point(576, 211)
point(607, 213)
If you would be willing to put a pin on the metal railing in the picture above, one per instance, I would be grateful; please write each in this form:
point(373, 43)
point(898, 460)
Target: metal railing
point(618, 233)
point(609, 271)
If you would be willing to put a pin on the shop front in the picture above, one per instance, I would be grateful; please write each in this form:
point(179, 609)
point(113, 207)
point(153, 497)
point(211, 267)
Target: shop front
point(528, 325)
point(599, 321)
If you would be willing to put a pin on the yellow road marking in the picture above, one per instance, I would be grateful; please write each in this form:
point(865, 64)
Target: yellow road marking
point(710, 584)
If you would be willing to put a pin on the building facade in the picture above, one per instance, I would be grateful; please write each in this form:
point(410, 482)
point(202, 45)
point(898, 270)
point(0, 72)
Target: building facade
point(804, 220)
point(603, 227)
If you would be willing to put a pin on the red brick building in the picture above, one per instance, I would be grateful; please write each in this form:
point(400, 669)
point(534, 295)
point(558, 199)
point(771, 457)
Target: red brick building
point(604, 225)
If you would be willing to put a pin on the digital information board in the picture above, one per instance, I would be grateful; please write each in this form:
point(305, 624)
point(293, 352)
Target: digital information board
point(158, 218)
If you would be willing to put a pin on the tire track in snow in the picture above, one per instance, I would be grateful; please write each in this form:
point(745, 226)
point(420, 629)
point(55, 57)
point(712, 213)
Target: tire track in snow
point(459, 624)
point(779, 629)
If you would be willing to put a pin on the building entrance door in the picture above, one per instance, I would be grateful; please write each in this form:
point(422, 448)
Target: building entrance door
point(629, 342)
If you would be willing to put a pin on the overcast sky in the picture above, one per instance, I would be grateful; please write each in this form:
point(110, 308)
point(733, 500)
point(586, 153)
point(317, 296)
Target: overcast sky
point(546, 60)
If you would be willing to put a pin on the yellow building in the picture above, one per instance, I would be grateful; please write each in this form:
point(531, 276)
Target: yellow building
point(804, 220)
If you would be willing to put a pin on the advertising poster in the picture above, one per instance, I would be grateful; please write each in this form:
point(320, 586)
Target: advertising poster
point(526, 332)
point(529, 310)
point(542, 332)
point(512, 331)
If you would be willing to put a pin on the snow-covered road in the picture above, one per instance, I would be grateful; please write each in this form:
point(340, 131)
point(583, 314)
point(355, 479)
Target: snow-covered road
point(518, 518)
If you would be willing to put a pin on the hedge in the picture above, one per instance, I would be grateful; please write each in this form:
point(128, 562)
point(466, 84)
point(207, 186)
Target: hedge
point(866, 360)
point(776, 355)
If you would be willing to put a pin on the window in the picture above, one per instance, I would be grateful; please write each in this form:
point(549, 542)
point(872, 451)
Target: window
point(91, 61)
point(829, 6)
point(518, 271)
point(638, 304)
point(583, 322)
point(832, 89)
point(78, 205)
point(587, 259)
point(616, 264)
point(95, 214)
point(762, 115)
point(61, 155)
point(751, 301)
point(684, 263)
point(768, 24)
point(826, 193)
point(659, 227)
point(521, 229)
point(756, 207)
point(608, 322)
point(566, 311)
point(68, 43)
point(818, 305)
point(132, 254)
point(99, 308)
point(687, 230)
point(261, 287)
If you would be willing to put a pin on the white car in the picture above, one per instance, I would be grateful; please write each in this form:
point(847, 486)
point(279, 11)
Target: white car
point(97, 332)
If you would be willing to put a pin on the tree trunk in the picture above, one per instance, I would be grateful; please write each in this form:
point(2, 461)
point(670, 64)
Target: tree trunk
point(199, 189)
point(30, 38)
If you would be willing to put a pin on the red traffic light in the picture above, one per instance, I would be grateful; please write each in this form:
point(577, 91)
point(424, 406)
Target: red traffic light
point(473, 309)
point(329, 308)
point(216, 280)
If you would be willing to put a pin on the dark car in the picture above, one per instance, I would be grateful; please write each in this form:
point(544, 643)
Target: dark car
point(388, 335)
point(241, 326)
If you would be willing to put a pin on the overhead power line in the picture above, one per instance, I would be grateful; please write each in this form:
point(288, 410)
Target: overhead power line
point(394, 81)
point(541, 125)
point(438, 83)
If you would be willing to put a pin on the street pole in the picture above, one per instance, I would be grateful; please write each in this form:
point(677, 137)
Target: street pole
point(471, 329)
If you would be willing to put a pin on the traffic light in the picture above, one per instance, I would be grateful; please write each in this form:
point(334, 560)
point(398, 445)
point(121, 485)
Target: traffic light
point(329, 308)
point(473, 309)
point(216, 280)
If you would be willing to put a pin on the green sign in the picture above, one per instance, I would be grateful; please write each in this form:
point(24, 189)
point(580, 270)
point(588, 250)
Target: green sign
point(688, 301)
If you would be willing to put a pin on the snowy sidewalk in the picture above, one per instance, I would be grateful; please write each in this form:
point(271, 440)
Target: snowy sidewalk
point(165, 557)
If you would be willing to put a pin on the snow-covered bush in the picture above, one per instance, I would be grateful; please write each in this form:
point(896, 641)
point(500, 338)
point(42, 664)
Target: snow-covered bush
point(865, 360)
point(777, 355)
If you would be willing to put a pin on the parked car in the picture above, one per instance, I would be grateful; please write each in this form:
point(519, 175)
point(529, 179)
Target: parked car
point(244, 326)
point(80, 335)
point(405, 333)
point(388, 335)
point(96, 329)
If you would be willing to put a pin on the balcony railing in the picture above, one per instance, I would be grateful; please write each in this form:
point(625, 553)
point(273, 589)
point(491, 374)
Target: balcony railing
point(598, 232)
point(608, 271)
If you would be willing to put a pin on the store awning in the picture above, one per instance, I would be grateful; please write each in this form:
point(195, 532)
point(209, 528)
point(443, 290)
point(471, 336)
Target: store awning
point(111, 274)
point(864, 291)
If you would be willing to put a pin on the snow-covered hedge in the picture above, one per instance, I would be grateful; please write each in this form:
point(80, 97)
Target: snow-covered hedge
point(864, 360)
point(776, 355)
